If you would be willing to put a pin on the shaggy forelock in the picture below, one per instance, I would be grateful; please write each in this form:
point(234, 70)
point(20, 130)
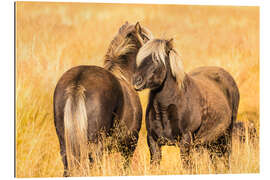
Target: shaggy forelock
point(155, 48)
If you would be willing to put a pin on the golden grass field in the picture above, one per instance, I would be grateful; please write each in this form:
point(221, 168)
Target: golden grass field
point(53, 37)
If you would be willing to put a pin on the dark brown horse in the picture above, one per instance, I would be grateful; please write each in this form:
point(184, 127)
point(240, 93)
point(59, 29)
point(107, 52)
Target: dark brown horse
point(197, 108)
point(91, 101)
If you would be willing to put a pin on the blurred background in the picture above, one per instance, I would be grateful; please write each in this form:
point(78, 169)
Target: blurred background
point(53, 37)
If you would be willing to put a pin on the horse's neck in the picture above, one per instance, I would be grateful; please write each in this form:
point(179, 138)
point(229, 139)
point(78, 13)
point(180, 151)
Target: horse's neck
point(170, 93)
point(121, 74)
point(125, 71)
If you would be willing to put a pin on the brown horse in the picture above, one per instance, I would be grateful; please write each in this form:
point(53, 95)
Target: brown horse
point(90, 102)
point(197, 108)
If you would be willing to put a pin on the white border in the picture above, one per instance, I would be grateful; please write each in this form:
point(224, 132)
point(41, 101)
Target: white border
point(189, 2)
point(7, 85)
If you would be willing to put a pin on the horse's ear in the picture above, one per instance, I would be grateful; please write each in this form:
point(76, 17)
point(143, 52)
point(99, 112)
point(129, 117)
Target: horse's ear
point(138, 27)
point(169, 44)
point(123, 27)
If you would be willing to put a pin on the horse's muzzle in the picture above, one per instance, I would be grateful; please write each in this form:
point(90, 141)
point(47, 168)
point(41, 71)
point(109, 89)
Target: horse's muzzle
point(138, 83)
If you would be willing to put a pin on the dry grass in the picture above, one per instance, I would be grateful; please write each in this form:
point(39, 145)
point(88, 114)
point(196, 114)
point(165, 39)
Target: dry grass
point(53, 37)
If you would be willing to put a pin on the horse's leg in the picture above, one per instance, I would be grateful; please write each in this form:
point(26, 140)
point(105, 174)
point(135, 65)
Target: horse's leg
point(64, 157)
point(185, 157)
point(127, 147)
point(185, 148)
point(95, 155)
point(59, 126)
point(99, 152)
point(91, 159)
point(60, 135)
point(215, 152)
point(96, 149)
point(213, 156)
point(221, 148)
point(228, 148)
point(155, 151)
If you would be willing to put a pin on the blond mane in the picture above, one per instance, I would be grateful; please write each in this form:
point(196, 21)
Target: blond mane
point(121, 46)
point(158, 49)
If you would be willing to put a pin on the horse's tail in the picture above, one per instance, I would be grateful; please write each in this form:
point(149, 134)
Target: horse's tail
point(75, 125)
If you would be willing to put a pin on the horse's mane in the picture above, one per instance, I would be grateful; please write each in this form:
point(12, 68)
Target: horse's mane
point(160, 49)
point(121, 46)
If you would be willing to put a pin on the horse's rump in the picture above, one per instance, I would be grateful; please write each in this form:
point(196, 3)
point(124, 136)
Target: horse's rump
point(222, 98)
point(86, 100)
point(103, 95)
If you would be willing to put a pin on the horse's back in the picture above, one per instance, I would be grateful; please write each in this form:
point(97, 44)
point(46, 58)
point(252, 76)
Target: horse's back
point(222, 79)
point(101, 91)
point(216, 74)
point(91, 77)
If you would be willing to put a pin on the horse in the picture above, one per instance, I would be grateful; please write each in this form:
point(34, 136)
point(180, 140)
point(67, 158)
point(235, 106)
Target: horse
point(91, 102)
point(195, 109)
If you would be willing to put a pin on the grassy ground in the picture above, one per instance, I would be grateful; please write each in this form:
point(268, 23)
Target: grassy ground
point(53, 37)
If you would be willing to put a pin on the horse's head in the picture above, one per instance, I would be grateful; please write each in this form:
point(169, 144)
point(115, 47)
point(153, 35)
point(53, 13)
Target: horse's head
point(125, 46)
point(155, 60)
point(135, 34)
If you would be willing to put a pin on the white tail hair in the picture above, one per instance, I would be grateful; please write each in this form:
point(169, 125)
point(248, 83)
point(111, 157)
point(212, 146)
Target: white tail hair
point(75, 125)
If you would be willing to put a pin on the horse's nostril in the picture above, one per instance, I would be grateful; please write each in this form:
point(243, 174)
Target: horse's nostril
point(139, 80)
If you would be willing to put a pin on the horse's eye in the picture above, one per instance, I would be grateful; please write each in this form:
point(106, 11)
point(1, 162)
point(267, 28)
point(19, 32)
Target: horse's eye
point(153, 69)
point(129, 34)
point(157, 70)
